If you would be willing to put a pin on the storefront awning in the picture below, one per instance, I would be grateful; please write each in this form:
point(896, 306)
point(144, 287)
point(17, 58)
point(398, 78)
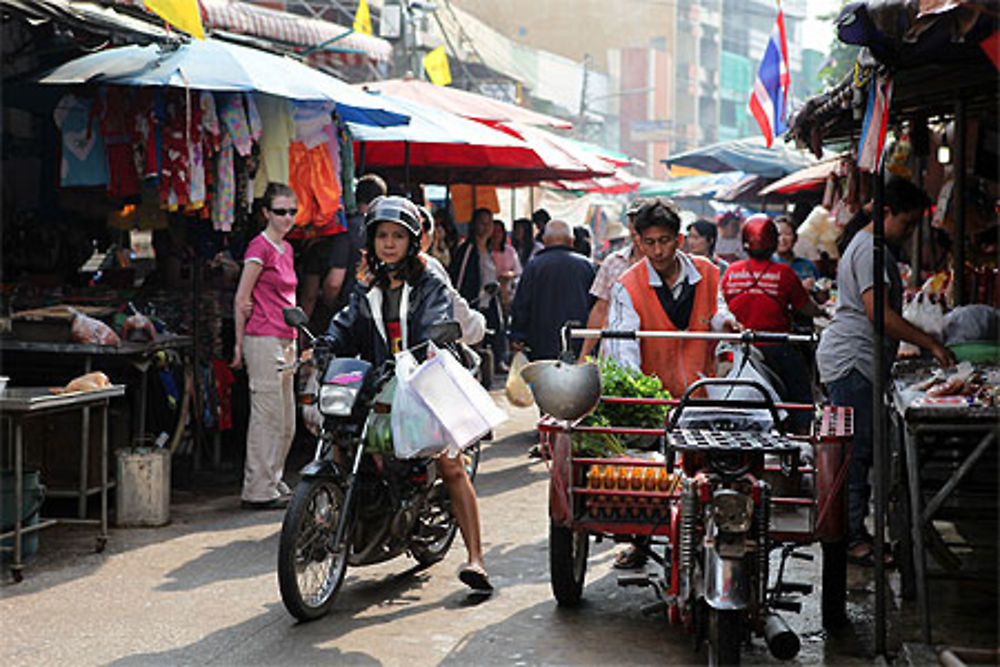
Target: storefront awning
point(324, 40)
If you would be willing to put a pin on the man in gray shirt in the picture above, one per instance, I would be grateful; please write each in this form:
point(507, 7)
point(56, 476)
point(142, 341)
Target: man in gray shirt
point(846, 353)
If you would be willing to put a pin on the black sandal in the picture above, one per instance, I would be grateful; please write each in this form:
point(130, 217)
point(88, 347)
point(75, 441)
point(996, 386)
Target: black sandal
point(631, 558)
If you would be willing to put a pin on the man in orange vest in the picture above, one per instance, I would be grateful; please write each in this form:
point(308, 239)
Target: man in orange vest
point(667, 291)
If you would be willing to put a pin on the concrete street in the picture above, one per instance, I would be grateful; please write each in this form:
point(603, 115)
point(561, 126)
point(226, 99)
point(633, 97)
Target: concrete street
point(203, 590)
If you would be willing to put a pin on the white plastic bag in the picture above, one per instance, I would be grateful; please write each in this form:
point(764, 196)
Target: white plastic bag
point(927, 315)
point(518, 391)
point(416, 432)
point(465, 411)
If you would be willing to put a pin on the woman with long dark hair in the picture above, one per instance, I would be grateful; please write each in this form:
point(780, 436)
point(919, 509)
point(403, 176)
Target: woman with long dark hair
point(393, 313)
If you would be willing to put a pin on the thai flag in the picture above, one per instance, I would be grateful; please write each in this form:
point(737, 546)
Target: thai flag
point(770, 90)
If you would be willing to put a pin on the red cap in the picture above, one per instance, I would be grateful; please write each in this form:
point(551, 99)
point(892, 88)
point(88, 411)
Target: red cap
point(760, 234)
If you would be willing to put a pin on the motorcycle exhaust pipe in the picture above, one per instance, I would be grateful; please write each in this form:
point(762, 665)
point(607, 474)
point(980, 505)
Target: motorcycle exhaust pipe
point(781, 640)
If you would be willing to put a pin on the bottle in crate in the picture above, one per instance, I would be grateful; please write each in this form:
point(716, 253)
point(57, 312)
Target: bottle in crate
point(593, 482)
point(636, 504)
point(649, 484)
point(609, 482)
point(621, 483)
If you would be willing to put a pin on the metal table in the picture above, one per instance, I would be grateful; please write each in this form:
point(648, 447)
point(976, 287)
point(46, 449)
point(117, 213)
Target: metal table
point(972, 432)
point(20, 403)
point(139, 353)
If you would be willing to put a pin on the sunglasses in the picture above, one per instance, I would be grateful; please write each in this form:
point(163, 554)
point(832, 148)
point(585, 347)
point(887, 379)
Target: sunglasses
point(281, 212)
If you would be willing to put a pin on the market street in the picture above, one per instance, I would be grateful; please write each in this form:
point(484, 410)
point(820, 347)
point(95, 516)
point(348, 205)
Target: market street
point(203, 590)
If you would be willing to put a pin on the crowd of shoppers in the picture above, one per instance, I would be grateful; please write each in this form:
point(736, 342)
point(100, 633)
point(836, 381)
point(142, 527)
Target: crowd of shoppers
point(526, 284)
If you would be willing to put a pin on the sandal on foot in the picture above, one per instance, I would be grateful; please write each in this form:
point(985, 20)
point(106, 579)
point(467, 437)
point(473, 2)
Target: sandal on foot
point(630, 559)
point(475, 577)
point(865, 557)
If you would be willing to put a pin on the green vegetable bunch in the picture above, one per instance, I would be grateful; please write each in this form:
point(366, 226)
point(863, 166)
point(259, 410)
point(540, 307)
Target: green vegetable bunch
point(621, 381)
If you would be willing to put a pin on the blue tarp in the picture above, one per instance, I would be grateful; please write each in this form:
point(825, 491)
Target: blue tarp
point(750, 156)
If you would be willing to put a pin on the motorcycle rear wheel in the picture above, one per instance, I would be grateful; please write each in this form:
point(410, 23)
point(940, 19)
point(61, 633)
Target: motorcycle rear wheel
point(309, 573)
point(725, 635)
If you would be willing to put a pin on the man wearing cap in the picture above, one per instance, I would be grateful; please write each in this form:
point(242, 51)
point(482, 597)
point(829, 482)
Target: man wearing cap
point(612, 268)
point(668, 290)
point(763, 294)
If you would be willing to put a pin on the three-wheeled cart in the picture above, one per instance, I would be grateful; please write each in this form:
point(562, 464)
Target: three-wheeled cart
point(708, 507)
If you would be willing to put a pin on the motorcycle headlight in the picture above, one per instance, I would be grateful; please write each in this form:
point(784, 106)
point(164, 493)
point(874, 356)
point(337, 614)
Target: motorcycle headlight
point(337, 400)
point(732, 511)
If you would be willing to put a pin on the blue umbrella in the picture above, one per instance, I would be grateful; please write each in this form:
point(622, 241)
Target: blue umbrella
point(223, 66)
point(747, 155)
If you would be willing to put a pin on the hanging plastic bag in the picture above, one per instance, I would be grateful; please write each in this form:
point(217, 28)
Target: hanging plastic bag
point(465, 411)
point(416, 432)
point(518, 391)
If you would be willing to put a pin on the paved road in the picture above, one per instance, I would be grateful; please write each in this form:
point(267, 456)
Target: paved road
point(203, 590)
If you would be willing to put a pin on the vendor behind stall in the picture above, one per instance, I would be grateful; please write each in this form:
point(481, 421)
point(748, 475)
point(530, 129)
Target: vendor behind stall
point(846, 353)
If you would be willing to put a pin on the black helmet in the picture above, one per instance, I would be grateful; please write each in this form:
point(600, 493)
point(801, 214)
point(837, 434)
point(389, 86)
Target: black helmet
point(394, 209)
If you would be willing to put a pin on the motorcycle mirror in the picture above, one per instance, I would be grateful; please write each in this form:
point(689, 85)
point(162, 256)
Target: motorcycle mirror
point(443, 333)
point(294, 317)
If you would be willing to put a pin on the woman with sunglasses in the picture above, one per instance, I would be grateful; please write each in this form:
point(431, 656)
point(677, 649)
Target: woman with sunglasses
point(263, 341)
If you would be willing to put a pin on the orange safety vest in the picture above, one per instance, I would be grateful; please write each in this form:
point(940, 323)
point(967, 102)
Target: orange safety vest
point(678, 363)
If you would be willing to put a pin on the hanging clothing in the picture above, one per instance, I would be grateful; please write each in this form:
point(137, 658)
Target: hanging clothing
point(174, 170)
point(278, 133)
point(236, 137)
point(317, 190)
point(84, 161)
point(114, 108)
point(347, 167)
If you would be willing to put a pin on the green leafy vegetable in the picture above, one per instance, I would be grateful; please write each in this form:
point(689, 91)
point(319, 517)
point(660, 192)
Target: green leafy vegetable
point(621, 381)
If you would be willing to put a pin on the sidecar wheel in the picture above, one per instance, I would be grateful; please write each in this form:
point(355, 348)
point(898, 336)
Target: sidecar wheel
point(309, 573)
point(568, 550)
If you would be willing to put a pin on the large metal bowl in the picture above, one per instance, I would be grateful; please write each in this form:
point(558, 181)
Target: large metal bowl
point(563, 390)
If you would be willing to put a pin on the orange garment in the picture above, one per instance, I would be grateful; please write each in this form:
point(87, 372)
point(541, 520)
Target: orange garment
point(677, 363)
point(317, 190)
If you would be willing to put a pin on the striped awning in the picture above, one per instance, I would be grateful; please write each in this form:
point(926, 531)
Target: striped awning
point(324, 41)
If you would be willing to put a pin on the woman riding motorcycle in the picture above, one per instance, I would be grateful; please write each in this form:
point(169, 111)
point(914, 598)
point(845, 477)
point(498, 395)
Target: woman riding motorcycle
point(392, 313)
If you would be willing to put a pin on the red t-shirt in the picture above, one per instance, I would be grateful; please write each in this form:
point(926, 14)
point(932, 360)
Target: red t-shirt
point(762, 294)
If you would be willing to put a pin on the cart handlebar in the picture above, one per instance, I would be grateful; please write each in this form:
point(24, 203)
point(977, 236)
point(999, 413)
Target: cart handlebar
point(744, 337)
point(688, 400)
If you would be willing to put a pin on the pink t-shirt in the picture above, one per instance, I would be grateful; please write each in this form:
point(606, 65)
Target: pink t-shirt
point(275, 288)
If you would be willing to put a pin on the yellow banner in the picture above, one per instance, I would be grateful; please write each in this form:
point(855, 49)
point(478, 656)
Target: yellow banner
point(363, 18)
point(436, 66)
point(182, 14)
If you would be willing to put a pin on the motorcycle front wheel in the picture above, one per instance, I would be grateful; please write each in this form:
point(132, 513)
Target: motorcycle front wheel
point(725, 634)
point(309, 572)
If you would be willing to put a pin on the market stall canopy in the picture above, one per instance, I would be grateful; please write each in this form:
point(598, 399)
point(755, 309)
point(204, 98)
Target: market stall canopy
point(750, 155)
point(463, 103)
point(327, 41)
point(810, 178)
point(691, 186)
point(88, 17)
point(442, 148)
point(217, 65)
point(935, 54)
point(745, 190)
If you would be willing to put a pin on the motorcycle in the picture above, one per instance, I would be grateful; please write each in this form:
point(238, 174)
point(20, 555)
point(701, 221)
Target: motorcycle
point(353, 507)
point(722, 527)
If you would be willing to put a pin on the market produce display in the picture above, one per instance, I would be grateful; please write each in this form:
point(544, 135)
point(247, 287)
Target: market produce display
point(624, 382)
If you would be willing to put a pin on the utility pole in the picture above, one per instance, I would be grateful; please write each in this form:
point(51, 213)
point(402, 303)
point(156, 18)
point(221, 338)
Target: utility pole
point(582, 122)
